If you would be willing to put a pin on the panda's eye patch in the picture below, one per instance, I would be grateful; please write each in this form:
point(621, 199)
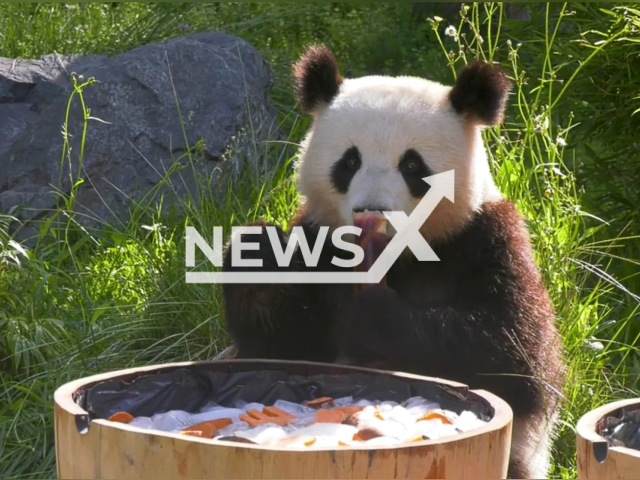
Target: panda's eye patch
point(344, 169)
point(413, 170)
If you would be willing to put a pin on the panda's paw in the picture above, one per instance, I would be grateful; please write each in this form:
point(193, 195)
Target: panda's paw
point(367, 326)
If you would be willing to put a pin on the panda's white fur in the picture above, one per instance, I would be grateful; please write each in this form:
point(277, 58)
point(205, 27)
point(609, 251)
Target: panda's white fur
point(384, 117)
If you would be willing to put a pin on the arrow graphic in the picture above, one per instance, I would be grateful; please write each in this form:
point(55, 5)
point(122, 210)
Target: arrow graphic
point(407, 235)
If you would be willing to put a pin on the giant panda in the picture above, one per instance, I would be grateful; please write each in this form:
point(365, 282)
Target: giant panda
point(481, 315)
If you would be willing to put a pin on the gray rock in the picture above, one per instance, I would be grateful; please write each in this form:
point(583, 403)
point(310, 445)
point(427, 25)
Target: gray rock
point(196, 107)
point(14, 120)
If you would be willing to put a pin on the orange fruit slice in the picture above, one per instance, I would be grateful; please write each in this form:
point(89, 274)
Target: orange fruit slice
point(204, 430)
point(366, 434)
point(318, 402)
point(435, 416)
point(255, 418)
point(276, 412)
point(220, 422)
point(329, 416)
point(121, 417)
point(250, 420)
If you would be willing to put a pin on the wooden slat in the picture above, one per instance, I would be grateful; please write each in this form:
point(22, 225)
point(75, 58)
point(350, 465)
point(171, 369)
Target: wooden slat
point(77, 455)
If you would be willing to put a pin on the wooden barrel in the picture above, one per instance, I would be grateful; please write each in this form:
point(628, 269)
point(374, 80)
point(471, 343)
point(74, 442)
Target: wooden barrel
point(96, 448)
point(597, 460)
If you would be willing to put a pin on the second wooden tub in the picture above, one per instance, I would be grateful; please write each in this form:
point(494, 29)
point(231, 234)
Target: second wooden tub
point(596, 459)
point(93, 448)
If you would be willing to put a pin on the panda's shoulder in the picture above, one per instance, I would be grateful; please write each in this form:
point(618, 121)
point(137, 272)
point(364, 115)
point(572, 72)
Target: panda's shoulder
point(497, 232)
point(500, 221)
point(302, 219)
point(494, 233)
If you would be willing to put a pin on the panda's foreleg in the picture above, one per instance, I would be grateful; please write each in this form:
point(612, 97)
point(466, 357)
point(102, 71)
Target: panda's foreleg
point(378, 325)
point(266, 320)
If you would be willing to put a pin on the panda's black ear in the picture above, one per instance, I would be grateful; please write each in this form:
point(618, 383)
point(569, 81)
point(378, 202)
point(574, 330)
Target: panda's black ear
point(480, 93)
point(316, 78)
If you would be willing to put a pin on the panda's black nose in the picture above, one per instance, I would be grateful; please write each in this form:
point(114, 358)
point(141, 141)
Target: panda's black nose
point(371, 208)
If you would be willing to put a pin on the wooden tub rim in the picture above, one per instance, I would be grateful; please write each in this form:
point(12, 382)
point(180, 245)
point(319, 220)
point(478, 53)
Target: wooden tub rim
point(587, 424)
point(63, 398)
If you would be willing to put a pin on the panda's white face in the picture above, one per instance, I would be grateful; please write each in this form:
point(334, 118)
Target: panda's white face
point(370, 147)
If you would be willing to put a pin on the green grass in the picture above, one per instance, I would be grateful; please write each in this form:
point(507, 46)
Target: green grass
point(82, 302)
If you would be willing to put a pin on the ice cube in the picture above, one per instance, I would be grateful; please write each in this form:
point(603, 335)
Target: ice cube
point(466, 415)
point(419, 407)
point(291, 429)
point(426, 428)
point(420, 402)
point(369, 410)
point(421, 410)
point(172, 421)
point(387, 406)
point(387, 428)
point(141, 422)
point(343, 401)
point(269, 432)
point(326, 442)
point(249, 406)
point(453, 416)
point(401, 415)
point(234, 427)
point(215, 414)
point(303, 421)
point(410, 402)
point(446, 431)
point(337, 431)
point(294, 408)
point(468, 421)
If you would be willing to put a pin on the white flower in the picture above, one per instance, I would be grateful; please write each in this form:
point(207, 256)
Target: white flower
point(561, 142)
point(450, 31)
point(480, 39)
point(541, 122)
point(595, 346)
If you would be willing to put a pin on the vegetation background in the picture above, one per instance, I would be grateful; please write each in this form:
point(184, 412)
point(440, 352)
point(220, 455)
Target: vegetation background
point(81, 302)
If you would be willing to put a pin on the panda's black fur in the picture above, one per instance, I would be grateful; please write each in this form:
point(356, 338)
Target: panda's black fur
point(481, 315)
